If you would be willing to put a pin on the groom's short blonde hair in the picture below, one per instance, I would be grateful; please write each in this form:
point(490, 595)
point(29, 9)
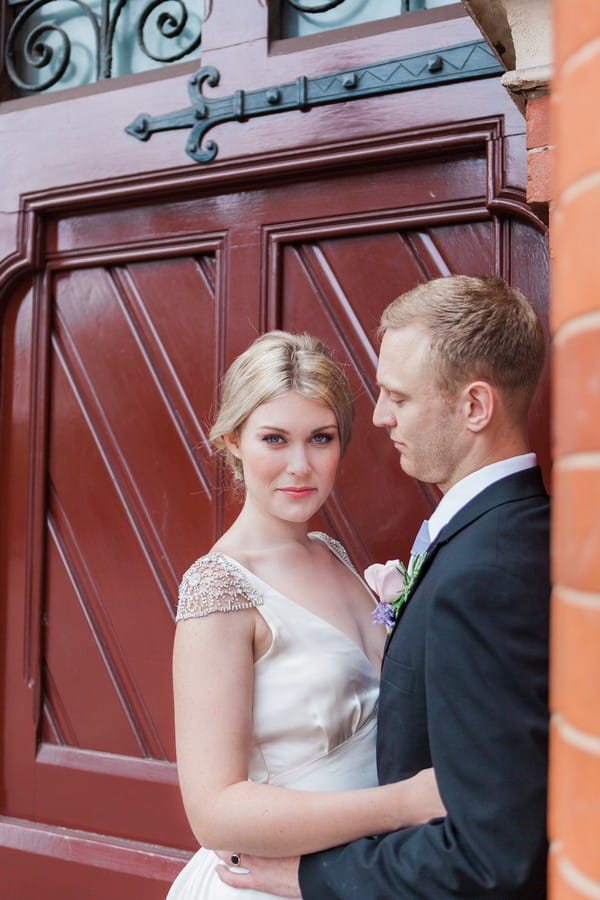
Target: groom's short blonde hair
point(481, 328)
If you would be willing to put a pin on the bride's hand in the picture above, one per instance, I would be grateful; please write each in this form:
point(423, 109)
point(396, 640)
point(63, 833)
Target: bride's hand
point(274, 876)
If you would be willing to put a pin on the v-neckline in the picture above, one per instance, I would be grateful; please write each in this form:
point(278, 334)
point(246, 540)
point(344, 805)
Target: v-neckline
point(297, 605)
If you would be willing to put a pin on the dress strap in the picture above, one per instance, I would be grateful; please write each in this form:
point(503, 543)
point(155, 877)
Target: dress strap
point(215, 584)
point(338, 549)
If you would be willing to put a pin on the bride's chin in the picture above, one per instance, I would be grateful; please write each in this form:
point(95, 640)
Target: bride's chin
point(298, 516)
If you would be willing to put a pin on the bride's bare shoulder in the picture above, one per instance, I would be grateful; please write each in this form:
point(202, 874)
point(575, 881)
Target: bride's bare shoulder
point(233, 549)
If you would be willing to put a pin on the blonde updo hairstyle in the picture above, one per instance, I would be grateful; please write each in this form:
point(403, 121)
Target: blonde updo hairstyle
point(275, 363)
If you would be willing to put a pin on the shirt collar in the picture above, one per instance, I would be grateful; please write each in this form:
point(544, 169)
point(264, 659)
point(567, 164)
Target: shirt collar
point(468, 487)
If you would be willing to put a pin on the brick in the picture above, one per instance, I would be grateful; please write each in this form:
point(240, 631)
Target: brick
point(575, 131)
point(576, 273)
point(574, 25)
point(539, 176)
point(576, 374)
point(575, 125)
point(537, 114)
point(575, 661)
point(561, 888)
point(576, 528)
point(574, 811)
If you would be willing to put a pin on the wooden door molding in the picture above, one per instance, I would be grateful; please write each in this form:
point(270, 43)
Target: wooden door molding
point(49, 777)
point(69, 859)
point(504, 194)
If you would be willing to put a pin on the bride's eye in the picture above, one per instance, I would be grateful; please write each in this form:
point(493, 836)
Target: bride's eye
point(272, 439)
point(322, 437)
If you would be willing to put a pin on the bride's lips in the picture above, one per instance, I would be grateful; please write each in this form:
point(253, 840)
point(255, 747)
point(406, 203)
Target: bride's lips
point(298, 492)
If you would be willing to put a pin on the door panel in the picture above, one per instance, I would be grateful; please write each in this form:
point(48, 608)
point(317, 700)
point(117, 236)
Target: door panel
point(129, 487)
point(381, 266)
point(127, 471)
point(126, 381)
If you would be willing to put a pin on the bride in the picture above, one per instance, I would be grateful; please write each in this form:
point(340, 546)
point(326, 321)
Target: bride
point(276, 660)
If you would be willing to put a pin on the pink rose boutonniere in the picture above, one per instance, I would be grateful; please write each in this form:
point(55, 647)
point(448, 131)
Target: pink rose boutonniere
point(391, 582)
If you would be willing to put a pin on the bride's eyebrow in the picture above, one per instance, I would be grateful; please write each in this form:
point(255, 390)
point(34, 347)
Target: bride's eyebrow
point(280, 430)
point(325, 427)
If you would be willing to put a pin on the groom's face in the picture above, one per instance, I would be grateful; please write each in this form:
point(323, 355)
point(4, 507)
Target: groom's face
point(426, 427)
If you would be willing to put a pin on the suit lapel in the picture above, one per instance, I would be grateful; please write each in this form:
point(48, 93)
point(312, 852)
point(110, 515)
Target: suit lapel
point(519, 486)
point(429, 555)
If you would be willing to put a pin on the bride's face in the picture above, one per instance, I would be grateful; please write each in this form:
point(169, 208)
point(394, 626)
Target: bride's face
point(290, 451)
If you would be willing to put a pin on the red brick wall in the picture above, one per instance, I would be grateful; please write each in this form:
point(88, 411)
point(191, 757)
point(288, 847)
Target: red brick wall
point(575, 672)
point(539, 150)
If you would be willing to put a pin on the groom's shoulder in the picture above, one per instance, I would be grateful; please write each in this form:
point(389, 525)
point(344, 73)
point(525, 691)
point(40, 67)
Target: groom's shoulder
point(519, 491)
point(500, 520)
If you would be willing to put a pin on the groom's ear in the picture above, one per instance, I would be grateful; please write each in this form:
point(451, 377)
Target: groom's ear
point(479, 405)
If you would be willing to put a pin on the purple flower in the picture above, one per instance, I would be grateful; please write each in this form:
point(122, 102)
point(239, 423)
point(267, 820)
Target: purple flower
point(383, 614)
point(392, 584)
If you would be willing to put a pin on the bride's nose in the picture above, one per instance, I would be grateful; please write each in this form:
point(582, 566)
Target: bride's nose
point(298, 463)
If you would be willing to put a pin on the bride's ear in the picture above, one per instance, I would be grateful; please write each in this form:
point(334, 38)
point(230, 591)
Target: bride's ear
point(232, 442)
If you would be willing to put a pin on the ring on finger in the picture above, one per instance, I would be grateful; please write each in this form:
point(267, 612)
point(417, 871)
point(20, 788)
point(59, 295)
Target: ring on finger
point(235, 859)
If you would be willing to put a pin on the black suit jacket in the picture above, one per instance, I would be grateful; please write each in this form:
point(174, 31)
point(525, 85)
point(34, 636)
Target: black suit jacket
point(464, 688)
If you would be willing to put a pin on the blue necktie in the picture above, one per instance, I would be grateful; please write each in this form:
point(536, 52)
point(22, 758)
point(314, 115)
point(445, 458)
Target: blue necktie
point(422, 540)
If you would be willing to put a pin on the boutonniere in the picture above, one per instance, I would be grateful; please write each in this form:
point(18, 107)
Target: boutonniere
point(391, 582)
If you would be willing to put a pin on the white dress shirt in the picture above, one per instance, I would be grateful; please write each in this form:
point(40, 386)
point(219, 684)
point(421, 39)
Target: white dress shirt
point(471, 485)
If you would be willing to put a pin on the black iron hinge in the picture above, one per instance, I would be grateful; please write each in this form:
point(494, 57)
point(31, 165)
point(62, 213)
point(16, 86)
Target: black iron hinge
point(457, 63)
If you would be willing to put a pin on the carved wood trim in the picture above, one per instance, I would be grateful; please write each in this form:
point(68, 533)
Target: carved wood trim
point(158, 771)
point(74, 846)
point(344, 155)
point(38, 491)
point(417, 18)
point(34, 569)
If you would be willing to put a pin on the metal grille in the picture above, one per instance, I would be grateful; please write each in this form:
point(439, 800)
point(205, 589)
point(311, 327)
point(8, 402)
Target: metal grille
point(300, 17)
point(54, 44)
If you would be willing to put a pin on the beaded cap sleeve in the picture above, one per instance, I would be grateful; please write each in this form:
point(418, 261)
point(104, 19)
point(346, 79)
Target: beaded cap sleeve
point(214, 584)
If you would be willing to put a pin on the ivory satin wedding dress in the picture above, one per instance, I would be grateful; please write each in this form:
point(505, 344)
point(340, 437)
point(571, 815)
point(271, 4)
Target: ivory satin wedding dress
point(315, 701)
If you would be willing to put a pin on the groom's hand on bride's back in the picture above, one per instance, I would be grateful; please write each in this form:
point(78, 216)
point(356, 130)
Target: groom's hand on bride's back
point(262, 873)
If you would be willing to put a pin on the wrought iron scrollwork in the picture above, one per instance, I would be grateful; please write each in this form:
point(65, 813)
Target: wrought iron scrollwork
point(460, 62)
point(170, 26)
point(37, 52)
point(29, 43)
point(314, 7)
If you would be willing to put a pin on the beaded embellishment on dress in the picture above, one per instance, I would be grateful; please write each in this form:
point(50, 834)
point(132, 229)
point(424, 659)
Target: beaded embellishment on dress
point(334, 546)
point(214, 584)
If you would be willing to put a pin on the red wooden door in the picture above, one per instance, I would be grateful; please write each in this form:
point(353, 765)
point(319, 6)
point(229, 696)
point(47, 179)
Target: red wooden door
point(124, 299)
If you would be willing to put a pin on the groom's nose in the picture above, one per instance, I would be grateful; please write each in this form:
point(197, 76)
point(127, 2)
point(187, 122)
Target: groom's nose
point(382, 414)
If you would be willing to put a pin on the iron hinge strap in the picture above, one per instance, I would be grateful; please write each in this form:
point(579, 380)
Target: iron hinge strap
point(460, 62)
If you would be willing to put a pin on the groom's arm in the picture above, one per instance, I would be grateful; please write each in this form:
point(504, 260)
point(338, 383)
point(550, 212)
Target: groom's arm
point(486, 671)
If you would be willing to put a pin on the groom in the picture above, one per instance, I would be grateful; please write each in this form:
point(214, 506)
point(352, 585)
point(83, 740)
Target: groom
point(464, 679)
